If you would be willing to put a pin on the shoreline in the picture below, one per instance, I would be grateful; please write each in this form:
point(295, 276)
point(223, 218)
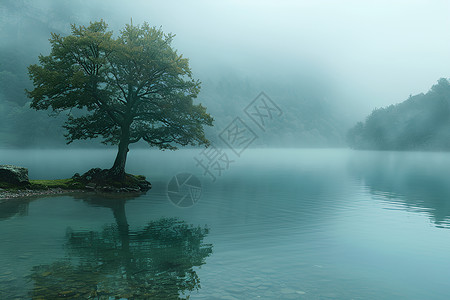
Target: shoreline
point(8, 194)
point(95, 180)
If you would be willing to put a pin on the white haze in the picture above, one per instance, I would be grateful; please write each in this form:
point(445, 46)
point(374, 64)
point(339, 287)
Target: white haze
point(372, 53)
point(367, 53)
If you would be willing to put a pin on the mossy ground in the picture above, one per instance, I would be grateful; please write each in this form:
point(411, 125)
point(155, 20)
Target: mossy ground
point(65, 184)
point(76, 183)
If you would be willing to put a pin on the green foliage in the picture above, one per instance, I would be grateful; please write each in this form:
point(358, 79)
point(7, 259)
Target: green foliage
point(132, 87)
point(25, 34)
point(420, 123)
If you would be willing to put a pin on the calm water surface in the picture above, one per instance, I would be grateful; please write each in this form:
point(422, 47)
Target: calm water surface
point(278, 224)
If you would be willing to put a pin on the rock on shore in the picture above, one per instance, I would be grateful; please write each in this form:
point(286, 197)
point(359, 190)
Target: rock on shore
point(14, 175)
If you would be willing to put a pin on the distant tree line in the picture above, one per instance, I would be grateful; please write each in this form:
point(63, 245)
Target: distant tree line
point(422, 122)
point(19, 125)
point(25, 35)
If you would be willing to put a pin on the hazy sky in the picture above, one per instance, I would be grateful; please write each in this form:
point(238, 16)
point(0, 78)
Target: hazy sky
point(376, 52)
point(372, 53)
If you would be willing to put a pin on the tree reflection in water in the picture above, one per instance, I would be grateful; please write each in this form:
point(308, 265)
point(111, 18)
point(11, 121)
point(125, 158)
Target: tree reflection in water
point(155, 262)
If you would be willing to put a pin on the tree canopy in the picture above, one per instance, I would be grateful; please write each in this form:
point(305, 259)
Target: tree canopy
point(123, 89)
point(422, 122)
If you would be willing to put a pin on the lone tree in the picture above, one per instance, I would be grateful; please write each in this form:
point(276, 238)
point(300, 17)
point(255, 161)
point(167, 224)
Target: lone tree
point(127, 88)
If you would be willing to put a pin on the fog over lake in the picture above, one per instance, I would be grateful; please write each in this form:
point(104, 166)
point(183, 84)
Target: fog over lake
point(313, 138)
point(305, 224)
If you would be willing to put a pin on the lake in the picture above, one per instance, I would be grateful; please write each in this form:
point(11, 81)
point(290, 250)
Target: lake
point(270, 224)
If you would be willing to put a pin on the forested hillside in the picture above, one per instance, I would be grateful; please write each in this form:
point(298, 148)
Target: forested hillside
point(422, 122)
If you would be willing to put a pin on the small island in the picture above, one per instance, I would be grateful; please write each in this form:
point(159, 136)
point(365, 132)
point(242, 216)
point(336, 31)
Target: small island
point(119, 90)
point(14, 183)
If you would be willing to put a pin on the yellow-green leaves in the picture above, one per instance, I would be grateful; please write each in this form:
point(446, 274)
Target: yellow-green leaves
point(134, 82)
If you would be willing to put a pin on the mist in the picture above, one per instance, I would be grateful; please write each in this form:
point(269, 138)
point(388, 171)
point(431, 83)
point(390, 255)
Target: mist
point(313, 144)
point(370, 54)
point(347, 57)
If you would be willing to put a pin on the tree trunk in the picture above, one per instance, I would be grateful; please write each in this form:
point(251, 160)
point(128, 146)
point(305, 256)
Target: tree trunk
point(124, 233)
point(118, 169)
point(120, 216)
